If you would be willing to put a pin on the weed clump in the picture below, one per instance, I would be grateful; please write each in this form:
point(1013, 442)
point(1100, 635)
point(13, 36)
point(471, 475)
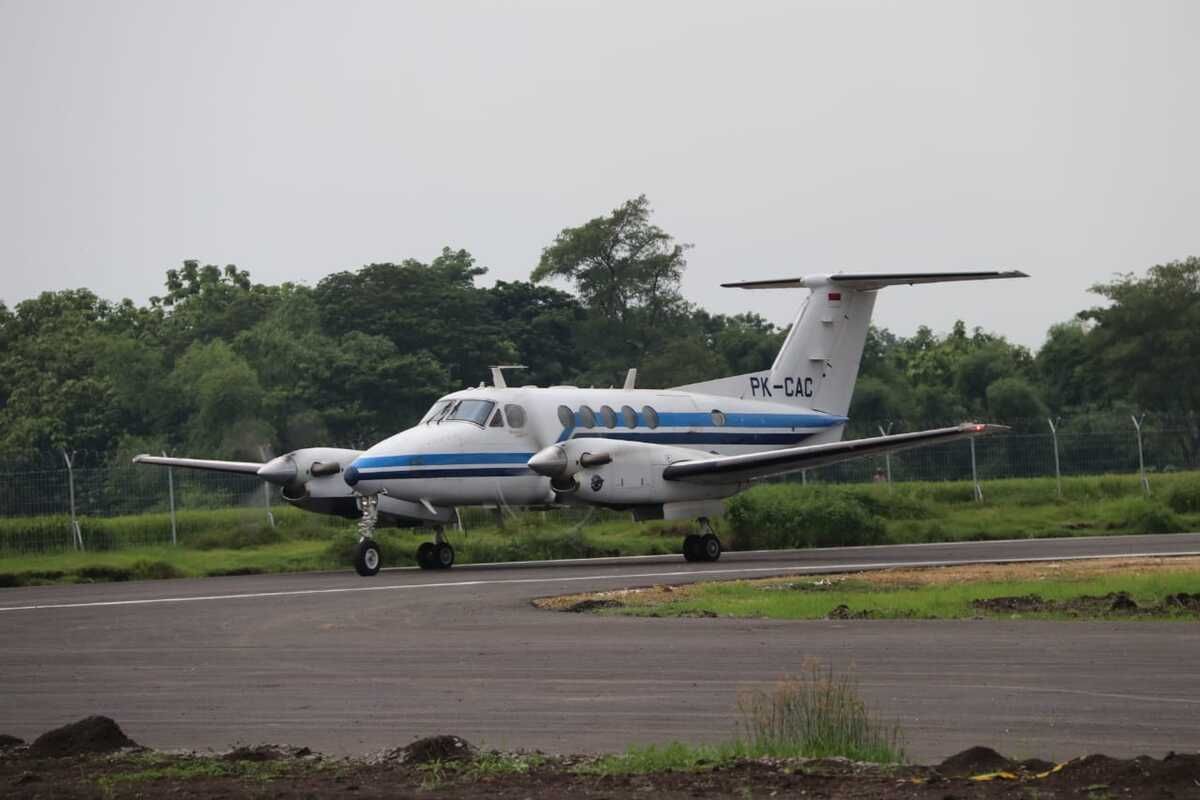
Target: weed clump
point(817, 714)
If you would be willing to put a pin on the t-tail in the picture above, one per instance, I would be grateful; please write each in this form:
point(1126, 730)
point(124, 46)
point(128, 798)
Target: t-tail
point(817, 366)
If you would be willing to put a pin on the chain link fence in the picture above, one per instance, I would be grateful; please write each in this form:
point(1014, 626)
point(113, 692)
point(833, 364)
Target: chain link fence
point(39, 508)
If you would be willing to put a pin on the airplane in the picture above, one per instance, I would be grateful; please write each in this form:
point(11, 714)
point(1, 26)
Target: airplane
point(670, 454)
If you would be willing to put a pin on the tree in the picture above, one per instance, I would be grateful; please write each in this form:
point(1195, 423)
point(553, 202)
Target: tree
point(1145, 342)
point(623, 267)
point(1014, 400)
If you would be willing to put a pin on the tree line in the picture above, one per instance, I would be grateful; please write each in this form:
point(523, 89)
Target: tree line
point(221, 365)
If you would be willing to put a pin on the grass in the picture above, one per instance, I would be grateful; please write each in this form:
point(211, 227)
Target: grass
point(153, 767)
point(816, 598)
point(817, 713)
point(36, 550)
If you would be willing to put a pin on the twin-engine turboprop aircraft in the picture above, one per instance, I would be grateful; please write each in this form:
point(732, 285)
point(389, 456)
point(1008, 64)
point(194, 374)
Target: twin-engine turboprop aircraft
point(659, 453)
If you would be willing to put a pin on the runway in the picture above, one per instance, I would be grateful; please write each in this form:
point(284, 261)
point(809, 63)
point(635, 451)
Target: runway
point(348, 665)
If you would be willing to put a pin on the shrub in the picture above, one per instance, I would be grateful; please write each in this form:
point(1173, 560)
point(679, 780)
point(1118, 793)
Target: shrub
point(792, 516)
point(1141, 515)
point(1183, 497)
point(237, 538)
point(817, 714)
point(144, 569)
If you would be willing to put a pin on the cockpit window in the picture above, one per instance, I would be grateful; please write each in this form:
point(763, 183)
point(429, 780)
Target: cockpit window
point(497, 420)
point(436, 411)
point(472, 411)
point(515, 414)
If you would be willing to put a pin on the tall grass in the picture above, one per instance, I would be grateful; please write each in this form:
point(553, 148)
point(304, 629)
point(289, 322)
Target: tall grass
point(818, 713)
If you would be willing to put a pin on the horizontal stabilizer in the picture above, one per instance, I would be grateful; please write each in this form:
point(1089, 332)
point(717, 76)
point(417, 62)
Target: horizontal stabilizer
point(867, 281)
point(735, 469)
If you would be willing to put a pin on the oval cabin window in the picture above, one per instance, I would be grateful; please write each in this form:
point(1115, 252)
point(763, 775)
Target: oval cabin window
point(587, 417)
point(608, 417)
point(629, 417)
point(566, 416)
point(651, 417)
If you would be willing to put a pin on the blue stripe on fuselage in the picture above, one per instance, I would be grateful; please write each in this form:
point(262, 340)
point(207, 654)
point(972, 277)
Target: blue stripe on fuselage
point(461, 472)
point(694, 438)
point(423, 459)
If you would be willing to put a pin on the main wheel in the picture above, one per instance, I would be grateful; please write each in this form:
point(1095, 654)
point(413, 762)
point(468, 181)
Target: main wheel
point(425, 555)
point(443, 556)
point(367, 558)
point(691, 548)
point(710, 546)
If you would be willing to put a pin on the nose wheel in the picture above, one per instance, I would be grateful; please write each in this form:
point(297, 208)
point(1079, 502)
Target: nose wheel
point(438, 554)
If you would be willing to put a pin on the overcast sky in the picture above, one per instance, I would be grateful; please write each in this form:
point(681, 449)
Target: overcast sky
point(297, 139)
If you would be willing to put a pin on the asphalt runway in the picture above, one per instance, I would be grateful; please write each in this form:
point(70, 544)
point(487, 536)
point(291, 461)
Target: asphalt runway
point(344, 664)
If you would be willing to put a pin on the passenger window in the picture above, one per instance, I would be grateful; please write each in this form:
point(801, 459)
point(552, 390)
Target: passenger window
point(651, 416)
point(566, 416)
point(629, 417)
point(497, 420)
point(718, 418)
point(608, 417)
point(587, 417)
point(516, 415)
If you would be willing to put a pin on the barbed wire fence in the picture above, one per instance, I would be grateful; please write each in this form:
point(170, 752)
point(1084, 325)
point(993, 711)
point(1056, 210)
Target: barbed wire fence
point(48, 508)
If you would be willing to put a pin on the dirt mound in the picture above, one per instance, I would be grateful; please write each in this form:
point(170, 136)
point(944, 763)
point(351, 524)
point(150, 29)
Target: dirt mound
point(89, 735)
point(845, 612)
point(435, 748)
point(1024, 604)
point(10, 741)
point(974, 761)
point(266, 752)
point(1183, 600)
point(592, 605)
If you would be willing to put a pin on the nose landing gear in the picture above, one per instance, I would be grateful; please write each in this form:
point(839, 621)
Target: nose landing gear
point(706, 547)
point(368, 557)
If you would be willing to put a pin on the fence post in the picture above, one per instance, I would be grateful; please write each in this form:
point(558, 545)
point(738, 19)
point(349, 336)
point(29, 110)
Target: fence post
point(1057, 471)
point(267, 489)
point(887, 457)
point(1137, 424)
point(171, 497)
point(76, 534)
point(975, 474)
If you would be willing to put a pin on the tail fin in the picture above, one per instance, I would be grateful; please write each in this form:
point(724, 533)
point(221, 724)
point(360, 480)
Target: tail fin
point(818, 364)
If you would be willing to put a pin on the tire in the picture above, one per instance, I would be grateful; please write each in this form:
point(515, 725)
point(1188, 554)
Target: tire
point(425, 555)
point(368, 558)
point(443, 556)
point(710, 547)
point(691, 548)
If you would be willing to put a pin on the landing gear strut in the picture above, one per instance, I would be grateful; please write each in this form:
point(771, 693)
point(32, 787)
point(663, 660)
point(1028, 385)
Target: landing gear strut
point(437, 554)
point(706, 547)
point(367, 556)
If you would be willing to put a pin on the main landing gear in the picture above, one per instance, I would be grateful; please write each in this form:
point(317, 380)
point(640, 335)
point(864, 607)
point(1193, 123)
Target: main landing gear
point(437, 554)
point(705, 547)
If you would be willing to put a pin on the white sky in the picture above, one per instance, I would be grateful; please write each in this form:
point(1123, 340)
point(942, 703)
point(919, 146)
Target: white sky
point(297, 139)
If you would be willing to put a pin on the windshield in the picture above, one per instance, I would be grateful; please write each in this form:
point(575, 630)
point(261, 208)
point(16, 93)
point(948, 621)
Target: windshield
point(476, 411)
point(436, 411)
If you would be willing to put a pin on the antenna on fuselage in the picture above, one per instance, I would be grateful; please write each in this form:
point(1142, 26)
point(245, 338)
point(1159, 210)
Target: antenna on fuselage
point(498, 374)
point(630, 379)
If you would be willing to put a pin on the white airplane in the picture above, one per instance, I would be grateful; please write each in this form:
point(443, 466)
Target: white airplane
point(659, 453)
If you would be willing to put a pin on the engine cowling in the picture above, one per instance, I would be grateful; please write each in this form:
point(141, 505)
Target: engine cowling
point(617, 473)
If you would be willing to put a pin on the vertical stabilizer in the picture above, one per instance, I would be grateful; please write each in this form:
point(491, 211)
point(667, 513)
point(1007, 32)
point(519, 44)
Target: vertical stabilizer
point(817, 366)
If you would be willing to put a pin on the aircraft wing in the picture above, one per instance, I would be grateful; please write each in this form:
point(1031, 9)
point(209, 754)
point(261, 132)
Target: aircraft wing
point(736, 469)
point(240, 467)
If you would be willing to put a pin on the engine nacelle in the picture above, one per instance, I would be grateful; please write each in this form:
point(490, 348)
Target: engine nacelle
point(616, 473)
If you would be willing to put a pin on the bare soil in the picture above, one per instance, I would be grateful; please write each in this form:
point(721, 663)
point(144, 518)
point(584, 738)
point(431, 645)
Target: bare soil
point(449, 767)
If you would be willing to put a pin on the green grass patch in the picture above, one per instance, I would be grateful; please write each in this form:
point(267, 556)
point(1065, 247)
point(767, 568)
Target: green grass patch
point(817, 599)
point(35, 550)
